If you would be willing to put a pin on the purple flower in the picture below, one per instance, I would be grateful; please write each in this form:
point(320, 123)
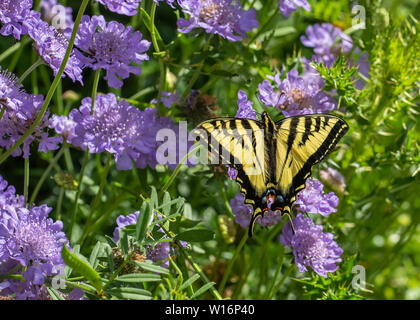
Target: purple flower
point(51, 46)
point(168, 99)
point(14, 15)
point(57, 15)
point(243, 213)
point(222, 17)
point(11, 93)
point(115, 126)
point(15, 123)
point(28, 238)
point(311, 247)
point(125, 7)
point(123, 221)
point(169, 2)
point(63, 126)
point(112, 47)
point(328, 41)
point(288, 6)
point(296, 94)
point(313, 200)
point(333, 179)
point(245, 109)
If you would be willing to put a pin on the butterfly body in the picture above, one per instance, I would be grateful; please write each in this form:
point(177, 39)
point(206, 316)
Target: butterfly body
point(273, 159)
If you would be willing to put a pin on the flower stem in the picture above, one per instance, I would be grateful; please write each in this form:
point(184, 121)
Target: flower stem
point(50, 93)
point(263, 27)
point(59, 204)
point(45, 174)
point(232, 261)
point(14, 48)
point(26, 180)
point(95, 88)
point(36, 64)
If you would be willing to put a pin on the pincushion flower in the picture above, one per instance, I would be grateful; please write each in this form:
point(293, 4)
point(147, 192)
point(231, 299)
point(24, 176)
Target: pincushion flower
point(28, 238)
point(115, 126)
point(296, 95)
point(112, 47)
point(328, 41)
point(64, 126)
point(13, 17)
point(311, 246)
point(57, 15)
point(223, 17)
point(51, 46)
point(312, 199)
point(168, 99)
point(14, 124)
point(11, 93)
point(125, 7)
point(243, 213)
point(334, 179)
point(288, 6)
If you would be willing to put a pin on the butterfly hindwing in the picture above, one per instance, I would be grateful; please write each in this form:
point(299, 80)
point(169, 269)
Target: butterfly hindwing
point(303, 141)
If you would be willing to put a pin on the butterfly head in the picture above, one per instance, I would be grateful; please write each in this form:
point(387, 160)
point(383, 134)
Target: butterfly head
point(272, 200)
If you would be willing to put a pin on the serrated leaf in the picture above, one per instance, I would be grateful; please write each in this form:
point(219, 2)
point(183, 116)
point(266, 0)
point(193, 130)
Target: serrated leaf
point(82, 268)
point(151, 267)
point(138, 277)
point(190, 281)
point(196, 235)
point(203, 289)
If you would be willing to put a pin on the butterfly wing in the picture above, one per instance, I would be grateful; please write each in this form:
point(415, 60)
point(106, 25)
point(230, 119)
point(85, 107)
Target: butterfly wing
point(239, 143)
point(303, 141)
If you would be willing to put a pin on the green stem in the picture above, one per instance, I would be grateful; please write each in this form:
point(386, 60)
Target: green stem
point(197, 71)
point(50, 93)
point(26, 180)
point(16, 57)
point(14, 48)
point(59, 204)
point(45, 174)
point(97, 198)
point(264, 26)
point(231, 262)
point(283, 278)
point(35, 65)
point(95, 88)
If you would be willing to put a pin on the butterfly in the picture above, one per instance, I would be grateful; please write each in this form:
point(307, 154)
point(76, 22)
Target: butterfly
point(273, 159)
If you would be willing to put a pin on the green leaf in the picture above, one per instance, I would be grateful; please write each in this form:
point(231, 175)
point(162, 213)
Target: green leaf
point(138, 277)
point(203, 289)
point(130, 293)
point(151, 267)
point(154, 201)
point(82, 268)
point(196, 235)
point(93, 259)
point(189, 282)
point(54, 294)
point(143, 221)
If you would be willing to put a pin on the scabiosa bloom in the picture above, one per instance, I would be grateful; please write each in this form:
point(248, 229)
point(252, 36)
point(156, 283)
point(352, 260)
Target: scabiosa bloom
point(313, 200)
point(333, 179)
point(13, 16)
point(168, 99)
point(14, 124)
point(123, 221)
point(28, 238)
point(311, 247)
point(328, 41)
point(243, 213)
point(125, 7)
point(288, 6)
point(11, 94)
point(51, 46)
point(222, 17)
point(115, 126)
point(64, 126)
point(112, 47)
point(57, 15)
point(296, 94)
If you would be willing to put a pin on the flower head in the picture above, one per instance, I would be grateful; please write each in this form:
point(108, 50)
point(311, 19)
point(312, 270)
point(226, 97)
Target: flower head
point(168, 99)
point(57, 15)
point(328, 41)
point(13, 16)
point(222, 17)
point(313, 200)
point(125, 7)
point(296, 94)
point(51, 46)
point(245, 109)
point(243, 213)
point(123, 221)
point(11, 94)
point(15, 123)
point(288, 6)
point(311, 246)
point(28, 238)
point(333, 179)
point(112, 47)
